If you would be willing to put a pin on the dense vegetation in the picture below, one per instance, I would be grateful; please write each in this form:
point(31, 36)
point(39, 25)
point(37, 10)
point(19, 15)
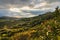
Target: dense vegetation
point(42, 27)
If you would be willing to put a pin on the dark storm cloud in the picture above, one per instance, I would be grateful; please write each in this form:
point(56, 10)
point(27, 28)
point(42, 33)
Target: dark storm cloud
point(31, 5)
point(13, 1)
point(51, 1)
point(18, 3)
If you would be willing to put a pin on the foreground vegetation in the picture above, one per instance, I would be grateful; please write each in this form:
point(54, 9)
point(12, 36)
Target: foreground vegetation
point(42, 27)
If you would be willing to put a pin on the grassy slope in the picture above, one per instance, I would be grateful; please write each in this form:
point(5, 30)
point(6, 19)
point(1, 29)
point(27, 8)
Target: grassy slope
point(35, 28)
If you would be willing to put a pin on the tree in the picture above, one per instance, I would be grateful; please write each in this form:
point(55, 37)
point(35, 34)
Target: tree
point(57, 10)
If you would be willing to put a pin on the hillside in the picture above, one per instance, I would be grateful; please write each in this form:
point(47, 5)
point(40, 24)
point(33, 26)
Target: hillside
point(42, 27)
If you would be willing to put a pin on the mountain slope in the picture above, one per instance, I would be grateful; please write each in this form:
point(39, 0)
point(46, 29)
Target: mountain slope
point(42, 27)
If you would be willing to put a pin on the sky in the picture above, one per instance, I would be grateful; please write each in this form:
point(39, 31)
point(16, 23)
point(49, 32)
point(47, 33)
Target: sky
point(26, 8)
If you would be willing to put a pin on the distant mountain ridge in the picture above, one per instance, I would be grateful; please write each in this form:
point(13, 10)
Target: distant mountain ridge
point(7, 17)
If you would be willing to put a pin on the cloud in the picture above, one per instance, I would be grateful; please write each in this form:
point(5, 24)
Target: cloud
point(14, 3)
point(27, 8)
point(21, 14)
point(51, 1)
point(20, 3)
point(30, 3)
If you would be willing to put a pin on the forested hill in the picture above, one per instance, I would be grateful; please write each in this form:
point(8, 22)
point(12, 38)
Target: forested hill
point(42, 27)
